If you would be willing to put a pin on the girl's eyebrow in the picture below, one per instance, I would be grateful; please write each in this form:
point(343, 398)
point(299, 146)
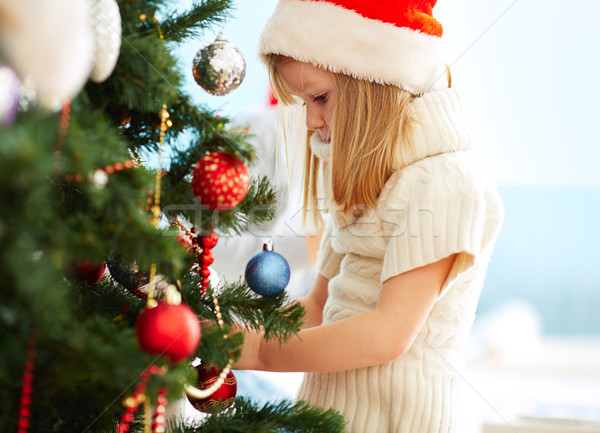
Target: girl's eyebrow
point(309, 88)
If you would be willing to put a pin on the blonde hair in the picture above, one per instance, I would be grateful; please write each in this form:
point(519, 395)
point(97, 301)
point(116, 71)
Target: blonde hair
point(369, 124)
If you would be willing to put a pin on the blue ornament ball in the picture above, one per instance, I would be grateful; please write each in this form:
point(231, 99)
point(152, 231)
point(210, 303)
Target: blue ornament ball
point(267, 272)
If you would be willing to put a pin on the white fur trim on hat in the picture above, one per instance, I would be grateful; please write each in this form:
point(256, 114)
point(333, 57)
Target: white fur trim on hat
point(342, 40)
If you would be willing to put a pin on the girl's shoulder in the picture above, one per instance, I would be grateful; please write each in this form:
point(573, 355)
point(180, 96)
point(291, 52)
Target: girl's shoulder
point(450, 173)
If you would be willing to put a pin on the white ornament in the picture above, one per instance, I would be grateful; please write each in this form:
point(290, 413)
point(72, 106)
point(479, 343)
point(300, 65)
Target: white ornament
point(106, 21)
point(99, 178)
point(49, 42)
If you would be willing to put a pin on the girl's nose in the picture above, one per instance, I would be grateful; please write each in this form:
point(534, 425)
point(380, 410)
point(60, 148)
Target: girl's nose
point(314, 120)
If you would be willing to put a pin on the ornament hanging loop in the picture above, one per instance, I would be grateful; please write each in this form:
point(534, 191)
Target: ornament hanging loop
point(268, 246)
point(172, 295)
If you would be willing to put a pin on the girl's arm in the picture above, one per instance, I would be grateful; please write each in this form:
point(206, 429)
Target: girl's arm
point(369, 338)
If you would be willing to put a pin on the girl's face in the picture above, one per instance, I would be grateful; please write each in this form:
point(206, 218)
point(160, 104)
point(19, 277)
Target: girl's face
point(316, 87)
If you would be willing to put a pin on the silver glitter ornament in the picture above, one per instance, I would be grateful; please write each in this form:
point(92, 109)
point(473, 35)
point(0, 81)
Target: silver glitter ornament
point(219, 68)
point(106, 21)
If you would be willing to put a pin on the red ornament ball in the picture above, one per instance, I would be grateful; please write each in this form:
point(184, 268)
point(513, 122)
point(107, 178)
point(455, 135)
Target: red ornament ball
point(222, 398)
point(220, 181)
point(85, 273)
point(171, 330)
point(209, 241)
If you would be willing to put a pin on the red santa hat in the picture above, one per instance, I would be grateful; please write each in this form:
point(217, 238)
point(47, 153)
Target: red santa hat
point(385, 41)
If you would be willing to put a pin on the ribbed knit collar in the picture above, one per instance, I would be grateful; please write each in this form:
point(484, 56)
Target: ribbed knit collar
point(437, 127)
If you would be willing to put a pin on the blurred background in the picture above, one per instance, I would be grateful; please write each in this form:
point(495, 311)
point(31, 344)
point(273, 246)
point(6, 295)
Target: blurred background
point(530, 76)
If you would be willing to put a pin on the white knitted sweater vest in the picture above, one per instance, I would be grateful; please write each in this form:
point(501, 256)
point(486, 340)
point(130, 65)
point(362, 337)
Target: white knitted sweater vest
point(439, 204)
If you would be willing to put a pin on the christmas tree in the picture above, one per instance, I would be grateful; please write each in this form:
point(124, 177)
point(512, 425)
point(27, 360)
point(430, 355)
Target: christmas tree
point(123, 171)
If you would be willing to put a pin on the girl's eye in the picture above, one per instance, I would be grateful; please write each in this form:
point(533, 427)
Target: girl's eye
point(320, 98)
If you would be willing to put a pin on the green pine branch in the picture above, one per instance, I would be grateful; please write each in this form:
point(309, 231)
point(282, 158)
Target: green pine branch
point(203, 16)
point(275, 315)
point(247, 417)
point(257, 207)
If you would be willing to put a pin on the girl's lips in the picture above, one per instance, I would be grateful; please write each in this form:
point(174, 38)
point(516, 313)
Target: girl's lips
point(319, 137)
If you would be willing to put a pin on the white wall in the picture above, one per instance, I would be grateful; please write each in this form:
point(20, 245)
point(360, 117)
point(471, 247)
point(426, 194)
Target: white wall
point(532, 79)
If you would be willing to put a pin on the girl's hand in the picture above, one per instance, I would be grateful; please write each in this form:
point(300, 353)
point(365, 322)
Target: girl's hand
point(250, 350)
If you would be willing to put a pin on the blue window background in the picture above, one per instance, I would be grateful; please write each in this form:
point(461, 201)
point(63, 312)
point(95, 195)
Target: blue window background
point(530, 72)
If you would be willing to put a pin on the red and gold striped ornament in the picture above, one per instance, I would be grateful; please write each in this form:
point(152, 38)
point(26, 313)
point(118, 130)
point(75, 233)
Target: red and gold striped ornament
point(222, 398)
point(220, 181)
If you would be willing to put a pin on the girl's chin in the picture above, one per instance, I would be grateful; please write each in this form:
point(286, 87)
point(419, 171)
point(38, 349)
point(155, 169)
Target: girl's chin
point(321, 139)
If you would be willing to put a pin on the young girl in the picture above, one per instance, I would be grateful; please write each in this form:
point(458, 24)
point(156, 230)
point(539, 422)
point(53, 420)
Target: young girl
point(412, 218)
